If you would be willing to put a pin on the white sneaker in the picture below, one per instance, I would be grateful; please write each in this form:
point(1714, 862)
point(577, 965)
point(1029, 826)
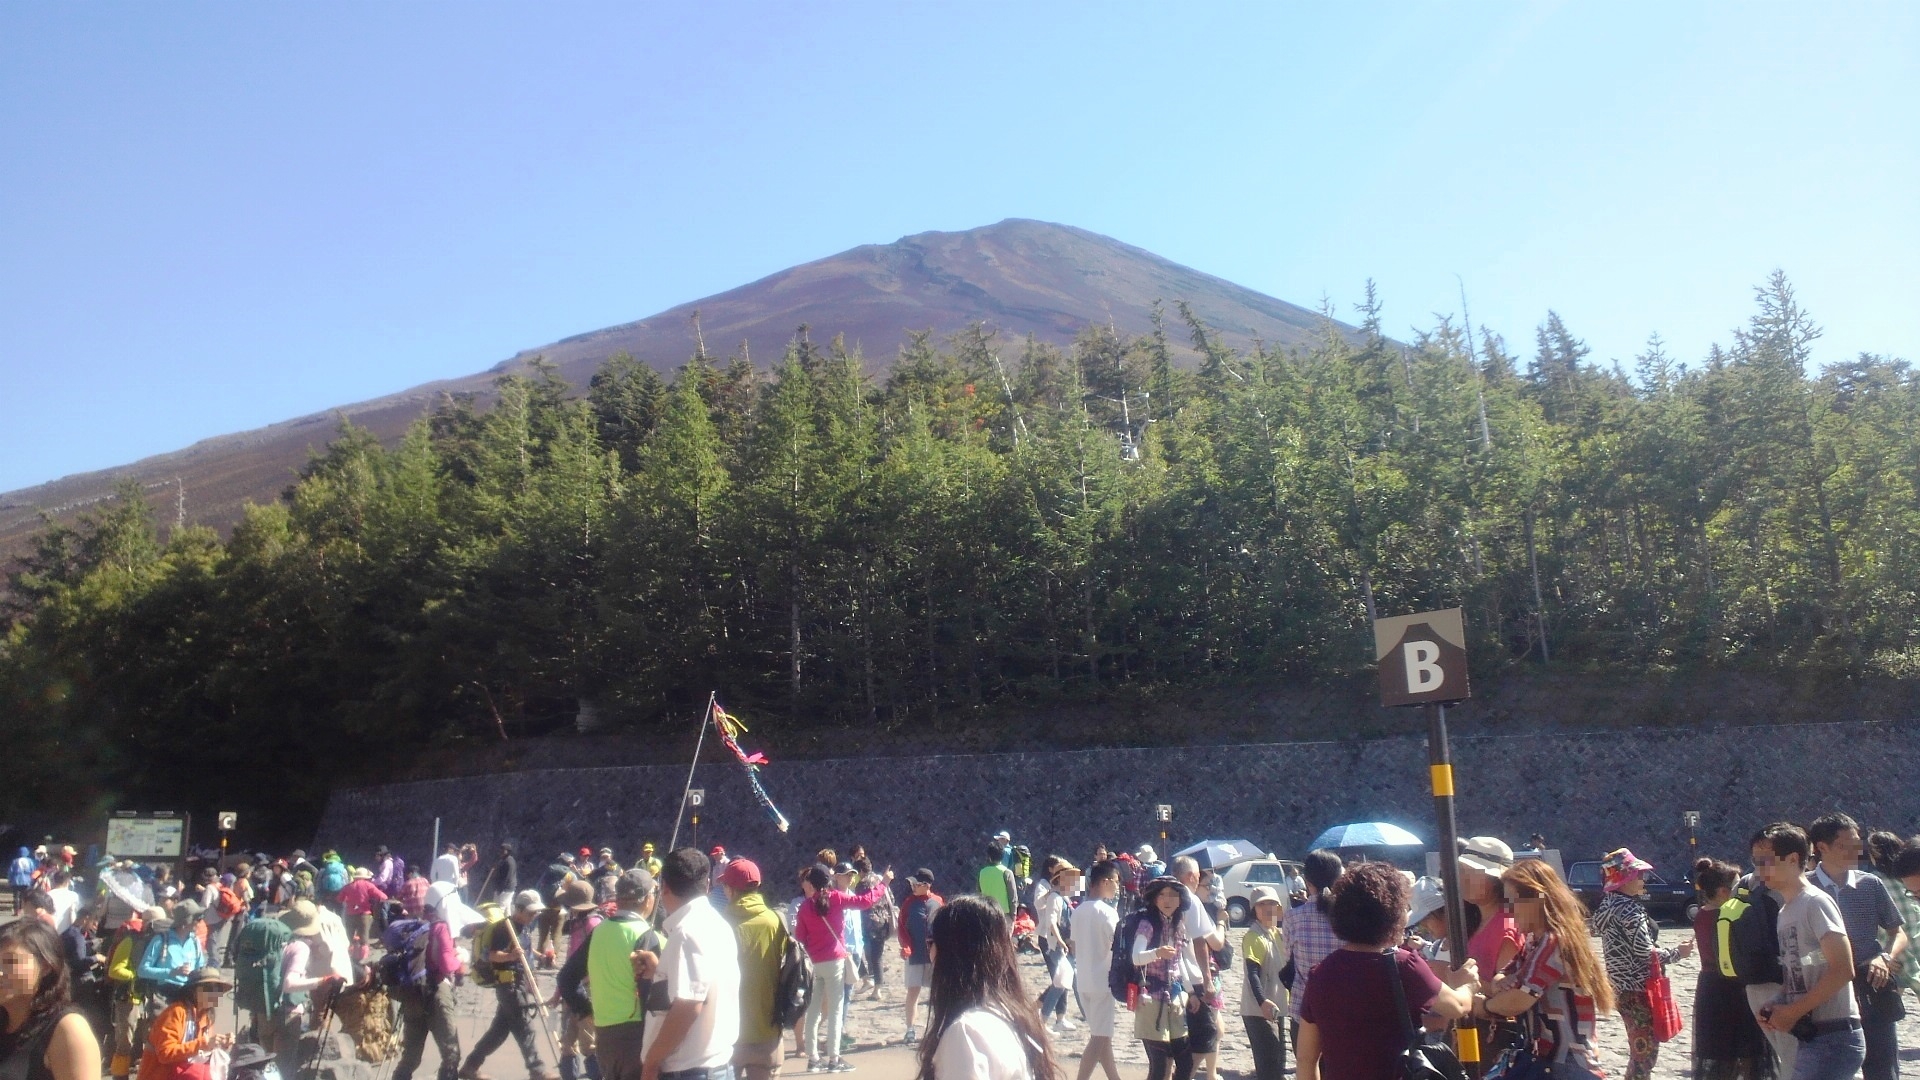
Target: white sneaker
point(1064, 1024)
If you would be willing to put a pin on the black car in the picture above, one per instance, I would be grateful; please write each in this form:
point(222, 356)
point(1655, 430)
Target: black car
point(1664, 899)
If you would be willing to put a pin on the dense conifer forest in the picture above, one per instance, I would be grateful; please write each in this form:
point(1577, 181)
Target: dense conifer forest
point(995, 526)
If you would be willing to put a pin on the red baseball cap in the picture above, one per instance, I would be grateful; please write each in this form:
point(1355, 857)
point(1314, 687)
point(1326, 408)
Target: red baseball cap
point(740, 874)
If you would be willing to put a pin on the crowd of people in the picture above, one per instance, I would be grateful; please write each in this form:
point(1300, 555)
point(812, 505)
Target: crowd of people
point(682, 967)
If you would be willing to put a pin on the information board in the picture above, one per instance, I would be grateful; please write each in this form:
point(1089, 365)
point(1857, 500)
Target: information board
point(146, 837)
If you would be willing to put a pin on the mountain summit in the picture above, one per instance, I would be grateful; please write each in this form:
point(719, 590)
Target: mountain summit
point(1018, 277)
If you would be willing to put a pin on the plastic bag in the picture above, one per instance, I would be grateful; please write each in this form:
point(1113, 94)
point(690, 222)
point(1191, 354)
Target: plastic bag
point(1063, 973)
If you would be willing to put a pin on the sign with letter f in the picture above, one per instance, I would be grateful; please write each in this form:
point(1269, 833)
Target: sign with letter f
point(1423, 658)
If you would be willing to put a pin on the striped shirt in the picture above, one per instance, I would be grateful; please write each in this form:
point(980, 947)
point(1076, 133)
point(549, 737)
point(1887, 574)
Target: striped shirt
point(1866, 907)
point(1627, 940)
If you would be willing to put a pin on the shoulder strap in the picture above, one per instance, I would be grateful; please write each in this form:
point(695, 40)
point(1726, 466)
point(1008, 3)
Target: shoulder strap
point(1400, 997)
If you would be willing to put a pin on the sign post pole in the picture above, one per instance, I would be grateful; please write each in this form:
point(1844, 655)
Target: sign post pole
point(1423, 661)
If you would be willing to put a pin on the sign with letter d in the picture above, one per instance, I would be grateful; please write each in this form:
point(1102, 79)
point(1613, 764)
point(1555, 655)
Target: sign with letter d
point(1423, 658)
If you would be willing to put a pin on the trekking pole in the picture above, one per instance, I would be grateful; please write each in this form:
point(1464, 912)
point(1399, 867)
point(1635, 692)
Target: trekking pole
point(706, 718)
point(539, 1003)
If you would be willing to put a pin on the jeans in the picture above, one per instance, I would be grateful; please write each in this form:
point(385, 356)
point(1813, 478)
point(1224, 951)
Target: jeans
point(509, 1018)
point(826, 1004)
point(1269, 1048)
point(424, 1012)
point(1053, 1000)
point(876, 956)
point(1833, 1056)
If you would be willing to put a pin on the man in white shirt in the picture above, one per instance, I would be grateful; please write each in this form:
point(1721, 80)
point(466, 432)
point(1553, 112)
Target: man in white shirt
point(693, 1002)
point(447, 867)
point(66, 902)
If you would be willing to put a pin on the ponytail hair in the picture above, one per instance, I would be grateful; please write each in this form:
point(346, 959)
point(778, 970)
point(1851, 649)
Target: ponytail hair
point(821, 879)
point(1321, 869)
point(1712, 875)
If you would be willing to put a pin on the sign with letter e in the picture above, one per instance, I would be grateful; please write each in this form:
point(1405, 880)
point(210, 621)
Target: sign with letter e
point(1423, 658)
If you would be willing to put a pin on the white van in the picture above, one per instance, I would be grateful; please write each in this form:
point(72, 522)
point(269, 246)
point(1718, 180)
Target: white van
point(1238, 881)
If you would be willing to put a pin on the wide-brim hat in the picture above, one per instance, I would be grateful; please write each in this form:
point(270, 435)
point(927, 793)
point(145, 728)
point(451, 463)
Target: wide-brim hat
point(1145, 853)
point(361, 873)
point(302, 918)
point(1062, 867)
point(1488, 854)
point(1264, 893)
point(208, 976)
point(187, 911)
point(528, 900)
point(576, 896)
point(1429, 896)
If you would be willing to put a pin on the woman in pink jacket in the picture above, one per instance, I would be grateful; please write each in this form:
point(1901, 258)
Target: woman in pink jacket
point(817, 927)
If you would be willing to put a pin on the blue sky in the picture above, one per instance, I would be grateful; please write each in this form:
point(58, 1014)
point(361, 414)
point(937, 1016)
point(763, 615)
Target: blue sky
point(215, 216)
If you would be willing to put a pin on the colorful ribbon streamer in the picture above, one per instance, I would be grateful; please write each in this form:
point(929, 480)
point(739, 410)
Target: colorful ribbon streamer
point(727, 724)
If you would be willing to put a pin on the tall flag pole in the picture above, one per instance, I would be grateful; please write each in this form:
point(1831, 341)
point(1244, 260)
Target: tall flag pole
point(706, 718)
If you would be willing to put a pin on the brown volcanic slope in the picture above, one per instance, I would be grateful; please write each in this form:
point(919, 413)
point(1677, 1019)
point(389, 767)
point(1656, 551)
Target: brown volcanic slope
point(1018, 277)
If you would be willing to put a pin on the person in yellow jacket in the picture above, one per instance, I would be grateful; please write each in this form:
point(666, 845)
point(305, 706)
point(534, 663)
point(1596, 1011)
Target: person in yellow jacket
point(185, 1028)
point(1263, 998)
point(124, 996)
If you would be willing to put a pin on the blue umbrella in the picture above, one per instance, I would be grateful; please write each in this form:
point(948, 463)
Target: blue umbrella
point(1366, 834)
point(1214, 854)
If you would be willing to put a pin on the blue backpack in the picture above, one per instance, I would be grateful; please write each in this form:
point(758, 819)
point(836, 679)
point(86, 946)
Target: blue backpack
point(406, 961)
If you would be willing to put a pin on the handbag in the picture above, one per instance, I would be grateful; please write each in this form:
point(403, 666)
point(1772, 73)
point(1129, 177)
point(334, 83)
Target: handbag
point(1421, 1060)
point(1666, 1012)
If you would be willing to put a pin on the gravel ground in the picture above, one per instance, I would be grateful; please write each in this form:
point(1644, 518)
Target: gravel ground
point(877, 1027)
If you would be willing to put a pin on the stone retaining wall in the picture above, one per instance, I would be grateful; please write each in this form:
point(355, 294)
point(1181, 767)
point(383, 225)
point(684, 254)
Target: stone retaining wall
point(1586, 793)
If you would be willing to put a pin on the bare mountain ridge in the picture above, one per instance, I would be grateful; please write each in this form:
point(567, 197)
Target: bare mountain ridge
point(1018, 277)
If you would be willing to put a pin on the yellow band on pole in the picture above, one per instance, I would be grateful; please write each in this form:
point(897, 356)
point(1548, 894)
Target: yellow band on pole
point(1442, 779)
point(1469, 1039)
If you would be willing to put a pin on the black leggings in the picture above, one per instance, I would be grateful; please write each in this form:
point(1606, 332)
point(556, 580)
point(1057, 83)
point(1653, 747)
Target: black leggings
point(1169, 1060)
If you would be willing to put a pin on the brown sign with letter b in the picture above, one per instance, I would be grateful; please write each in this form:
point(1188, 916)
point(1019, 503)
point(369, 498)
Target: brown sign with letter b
point(1423, 658)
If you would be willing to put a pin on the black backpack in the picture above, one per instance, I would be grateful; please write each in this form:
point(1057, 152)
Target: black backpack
point(1121, 970)
point(794, 989)
point(1747, 939)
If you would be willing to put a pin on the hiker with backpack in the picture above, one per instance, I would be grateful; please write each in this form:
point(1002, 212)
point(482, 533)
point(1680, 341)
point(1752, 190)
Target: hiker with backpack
point(499, 962)
point(358, 902)
point(611, 964)
point(765, 951)
point(1090, 941)
point(1727, 1041)
point(996, 879)
point(580, 915)
point(389, 871)
point(330, 881)
point(1165, 978)
point(422, 962)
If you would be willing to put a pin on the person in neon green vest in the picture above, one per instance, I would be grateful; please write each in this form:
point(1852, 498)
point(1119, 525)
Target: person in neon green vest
point(619, 1016)
point(996, 880)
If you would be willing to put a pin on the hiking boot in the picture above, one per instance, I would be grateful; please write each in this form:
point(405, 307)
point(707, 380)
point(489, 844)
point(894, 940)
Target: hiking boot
point(472, 1072)
point(544, 1074)
point(839, 1065)
point(912, 1036)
